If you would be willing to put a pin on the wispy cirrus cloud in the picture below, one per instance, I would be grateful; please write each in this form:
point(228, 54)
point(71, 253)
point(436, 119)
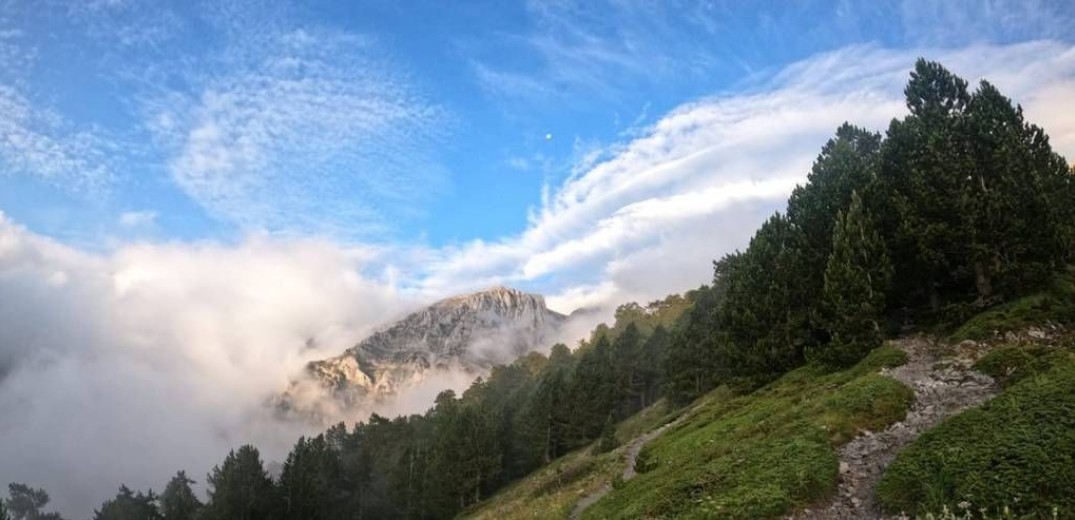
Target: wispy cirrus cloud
point(36, 140)
point(643, 217)
point(302, 130)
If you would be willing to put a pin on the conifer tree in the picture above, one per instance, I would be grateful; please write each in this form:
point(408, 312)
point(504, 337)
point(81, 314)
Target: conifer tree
point(856, 278)
point(240, 489)
point(178, 501)
point(128, 505)
point(691, 364)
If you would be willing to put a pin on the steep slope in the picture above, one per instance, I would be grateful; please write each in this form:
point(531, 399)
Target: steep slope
point(468, 334)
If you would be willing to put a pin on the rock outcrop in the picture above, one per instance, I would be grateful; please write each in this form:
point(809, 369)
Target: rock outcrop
point(468, 333)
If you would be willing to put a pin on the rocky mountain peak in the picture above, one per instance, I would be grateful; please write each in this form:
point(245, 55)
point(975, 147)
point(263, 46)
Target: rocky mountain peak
point(469, 332)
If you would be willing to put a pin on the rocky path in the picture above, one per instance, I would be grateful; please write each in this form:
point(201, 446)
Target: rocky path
point(942, 388)
point(630, 456)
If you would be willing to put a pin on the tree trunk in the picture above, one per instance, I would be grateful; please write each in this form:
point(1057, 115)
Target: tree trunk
point(983, 281)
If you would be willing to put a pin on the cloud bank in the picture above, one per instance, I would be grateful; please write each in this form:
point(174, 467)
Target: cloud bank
point(126, 367)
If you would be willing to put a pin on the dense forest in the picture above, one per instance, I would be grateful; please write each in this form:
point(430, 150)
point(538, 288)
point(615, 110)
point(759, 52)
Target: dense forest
point(959, 206)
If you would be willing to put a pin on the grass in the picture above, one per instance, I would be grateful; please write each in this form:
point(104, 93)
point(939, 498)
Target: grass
point(1016, 453)
point(551, 492)
point(763, 454)
point(1056, 304)
point(653, 416)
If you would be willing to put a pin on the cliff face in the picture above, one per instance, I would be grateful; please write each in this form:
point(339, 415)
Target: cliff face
point(469, 333)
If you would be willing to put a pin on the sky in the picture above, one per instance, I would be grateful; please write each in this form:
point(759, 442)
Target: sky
point(191, 190)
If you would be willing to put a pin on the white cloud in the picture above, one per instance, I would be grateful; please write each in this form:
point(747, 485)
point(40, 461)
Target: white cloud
point(134, 219)
point(643, 218)
point(37, 143)
point(125, 367)
point(300, 130)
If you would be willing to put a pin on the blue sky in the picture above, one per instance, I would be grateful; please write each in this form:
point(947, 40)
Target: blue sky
point(192, 191)
point(385, 122)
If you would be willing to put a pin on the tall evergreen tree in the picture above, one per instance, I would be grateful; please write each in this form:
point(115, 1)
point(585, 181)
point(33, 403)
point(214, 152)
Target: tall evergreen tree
point(691, 364)
point(764, 320)
point(308, 483)
point(924, 165)
point(650, 369)
point(856, 278)
point(848, 162)
point(26, 503)
point(178, 501)
point(626, 356)
point(128, 505)
point(240, 489)
point(592, 391)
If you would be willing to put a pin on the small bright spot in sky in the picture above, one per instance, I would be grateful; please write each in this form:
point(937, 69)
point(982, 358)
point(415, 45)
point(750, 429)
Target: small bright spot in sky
point(548, 137)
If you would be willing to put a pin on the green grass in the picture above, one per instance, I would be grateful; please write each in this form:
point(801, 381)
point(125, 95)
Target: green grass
point(551, 492)
point(1016, 451)
point(653, 416)
point(1056, 304)
point(763, 454)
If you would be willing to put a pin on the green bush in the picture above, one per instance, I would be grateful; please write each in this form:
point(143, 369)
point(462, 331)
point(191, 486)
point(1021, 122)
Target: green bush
point(1056, 304)
point(1017, 450)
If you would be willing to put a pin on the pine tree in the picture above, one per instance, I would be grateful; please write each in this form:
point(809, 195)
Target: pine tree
point(765, 317)
point(3, 511)
point(924, 166)
point(650, 368)
point(592, 391)
point(856, 278)
point(26, 503)
point(240, 489)
point(308, 480)
point(847, 163)
point(626, 358)
point(178, 501)
point(692, 359)
point(128, 505)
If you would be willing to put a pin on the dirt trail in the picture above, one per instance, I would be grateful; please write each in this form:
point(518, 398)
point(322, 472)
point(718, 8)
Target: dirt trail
point(942, 388)
point(630, 456)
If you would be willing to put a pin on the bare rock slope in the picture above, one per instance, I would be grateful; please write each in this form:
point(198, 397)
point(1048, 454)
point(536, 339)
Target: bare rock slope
point(468, 333)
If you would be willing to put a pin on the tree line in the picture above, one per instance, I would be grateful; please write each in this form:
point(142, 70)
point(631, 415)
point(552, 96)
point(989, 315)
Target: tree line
point(961, 205)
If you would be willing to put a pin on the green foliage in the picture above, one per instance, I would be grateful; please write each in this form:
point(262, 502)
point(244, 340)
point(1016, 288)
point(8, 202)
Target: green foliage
point(1056, 304)
point(760, 455)
point(178, 501)
point(128, 505)
point(552, 491)
point(645, 462)
point(239, 489)
point(607, 441)
point(26, 503)
point(692, 359)
point(1016, 451)
point(3, 512)
point(853, 300)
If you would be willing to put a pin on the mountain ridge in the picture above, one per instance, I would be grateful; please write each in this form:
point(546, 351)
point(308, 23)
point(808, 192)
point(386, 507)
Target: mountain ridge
point(468, 332)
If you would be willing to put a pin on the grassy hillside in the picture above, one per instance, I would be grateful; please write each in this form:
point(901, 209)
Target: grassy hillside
point(761, 455)
point(1055, 305)
point(752, 456)
point(551, 492)
point(1015, 453)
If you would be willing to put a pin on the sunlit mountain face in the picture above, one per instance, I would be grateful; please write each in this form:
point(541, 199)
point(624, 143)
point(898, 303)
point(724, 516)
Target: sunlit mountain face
point(205, 204)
